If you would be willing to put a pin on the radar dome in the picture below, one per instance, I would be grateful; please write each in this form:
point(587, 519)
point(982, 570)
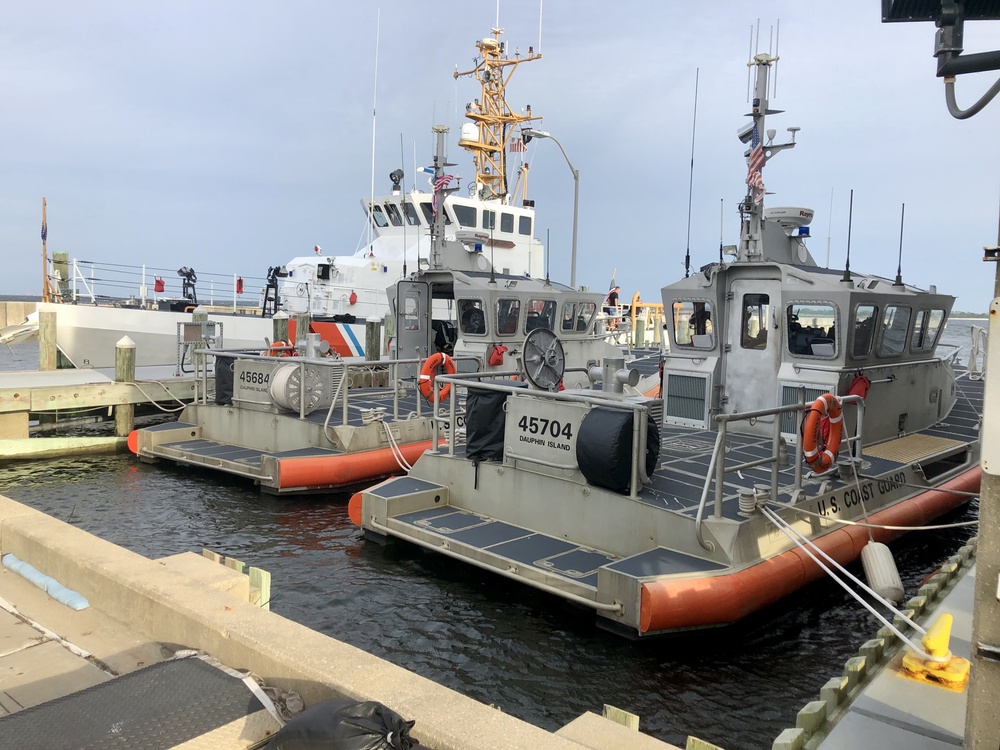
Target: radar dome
point(789, 217)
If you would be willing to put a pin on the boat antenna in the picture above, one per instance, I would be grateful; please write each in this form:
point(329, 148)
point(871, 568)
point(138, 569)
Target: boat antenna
point(899, 262)
point(722, 208)
point(371, 203)
point(777, 39)
point(547, 253)
point(749, 57)
point(402, 190)
point(850, 217)
point(829, 229)
point(493, 221)
point(694, 126)
point(539, 26)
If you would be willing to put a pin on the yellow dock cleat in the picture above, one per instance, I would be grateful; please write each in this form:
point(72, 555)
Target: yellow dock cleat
point(954, 672)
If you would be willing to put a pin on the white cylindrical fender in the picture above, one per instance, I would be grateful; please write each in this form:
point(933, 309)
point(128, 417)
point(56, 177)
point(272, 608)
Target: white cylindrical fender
point(880, 570)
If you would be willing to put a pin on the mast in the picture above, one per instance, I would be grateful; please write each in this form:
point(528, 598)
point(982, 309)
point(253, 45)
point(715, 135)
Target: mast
point(752, 207)
point(46, 287)
point(493, 121)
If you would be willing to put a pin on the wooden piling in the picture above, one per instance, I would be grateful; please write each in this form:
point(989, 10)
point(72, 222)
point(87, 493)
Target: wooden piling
point(279, 326)
point(301, 327)
point(373, 340)
point(124, 373)
point(47, 357)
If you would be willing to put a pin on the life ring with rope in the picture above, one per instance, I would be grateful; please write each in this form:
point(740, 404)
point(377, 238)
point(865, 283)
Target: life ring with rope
point(821, 450)
point(429, 369)
point(280, 349)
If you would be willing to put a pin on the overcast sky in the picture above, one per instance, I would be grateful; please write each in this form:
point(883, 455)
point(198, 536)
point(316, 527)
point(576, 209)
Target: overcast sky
point(232, 136)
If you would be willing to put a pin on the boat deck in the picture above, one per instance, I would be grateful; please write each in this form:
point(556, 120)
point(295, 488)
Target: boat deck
point(181, 443)
point(677, 486)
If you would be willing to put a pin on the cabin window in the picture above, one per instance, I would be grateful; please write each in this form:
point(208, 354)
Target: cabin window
point(378, 216)
point(472, 317)
point(508, 313)
point(693, 324)
point(754, 321)
point(541, 314)
point(895, 322)
point(577, 315)
point(323, 271)
point(427, 210)
point(411, 312)
point(926, 329)
point(489, 219)
point(524, 226)
point(812, 329)
point(466, 215)
point(864, 326)
point(411, 214)
point(393, 212)
point(507, 223)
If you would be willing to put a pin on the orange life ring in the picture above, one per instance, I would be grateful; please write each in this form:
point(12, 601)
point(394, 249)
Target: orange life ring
point(431, 366)
point(820, 454)
point(279, 349)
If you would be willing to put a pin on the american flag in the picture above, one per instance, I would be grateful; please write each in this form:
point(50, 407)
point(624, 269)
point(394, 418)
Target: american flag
point(755, 163)
point(517, 145)
point(440, 184)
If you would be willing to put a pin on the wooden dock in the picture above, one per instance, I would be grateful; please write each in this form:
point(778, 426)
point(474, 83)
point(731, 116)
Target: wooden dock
point(62, 394)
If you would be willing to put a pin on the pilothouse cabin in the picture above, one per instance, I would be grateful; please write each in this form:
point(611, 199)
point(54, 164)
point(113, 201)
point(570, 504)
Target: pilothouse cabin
point(749, 334)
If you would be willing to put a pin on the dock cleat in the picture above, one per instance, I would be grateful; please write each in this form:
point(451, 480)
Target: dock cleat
point(953, 671)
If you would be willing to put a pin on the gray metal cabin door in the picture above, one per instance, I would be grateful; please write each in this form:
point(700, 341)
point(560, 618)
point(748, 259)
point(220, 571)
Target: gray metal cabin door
point(413, 323)
point(753, 335)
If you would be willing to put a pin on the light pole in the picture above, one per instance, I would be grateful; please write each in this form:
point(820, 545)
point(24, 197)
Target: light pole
point(526, 135)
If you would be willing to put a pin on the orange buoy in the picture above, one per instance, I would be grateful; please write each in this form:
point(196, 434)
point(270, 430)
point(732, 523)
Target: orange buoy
point(133, 442)
point(431, 366)
point(820, 453)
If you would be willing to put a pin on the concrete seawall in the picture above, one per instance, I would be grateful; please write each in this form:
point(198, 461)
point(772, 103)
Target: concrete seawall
point(188, 600)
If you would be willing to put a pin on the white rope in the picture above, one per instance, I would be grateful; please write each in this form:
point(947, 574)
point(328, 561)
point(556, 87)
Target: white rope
point(805, 544)
point(397, 452)
point(152, 401)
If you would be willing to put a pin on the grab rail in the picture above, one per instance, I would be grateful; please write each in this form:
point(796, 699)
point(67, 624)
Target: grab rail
point(591, 399)
point(342, 393)
point(717, 464)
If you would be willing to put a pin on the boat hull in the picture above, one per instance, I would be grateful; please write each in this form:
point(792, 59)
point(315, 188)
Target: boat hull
point(685, 604)
point(87, 335)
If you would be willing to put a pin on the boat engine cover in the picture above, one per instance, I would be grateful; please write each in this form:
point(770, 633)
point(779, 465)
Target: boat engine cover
point(604, 447)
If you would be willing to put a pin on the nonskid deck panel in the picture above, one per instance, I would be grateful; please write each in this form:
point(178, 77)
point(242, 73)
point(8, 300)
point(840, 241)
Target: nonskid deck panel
point(544, 553)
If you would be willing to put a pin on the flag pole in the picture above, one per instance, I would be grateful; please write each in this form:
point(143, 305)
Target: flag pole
point(46, 293)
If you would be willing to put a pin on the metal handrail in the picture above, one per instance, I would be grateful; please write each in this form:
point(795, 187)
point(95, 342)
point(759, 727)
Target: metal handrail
point(717, 465)
point(462, 380)
point(201, 394)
